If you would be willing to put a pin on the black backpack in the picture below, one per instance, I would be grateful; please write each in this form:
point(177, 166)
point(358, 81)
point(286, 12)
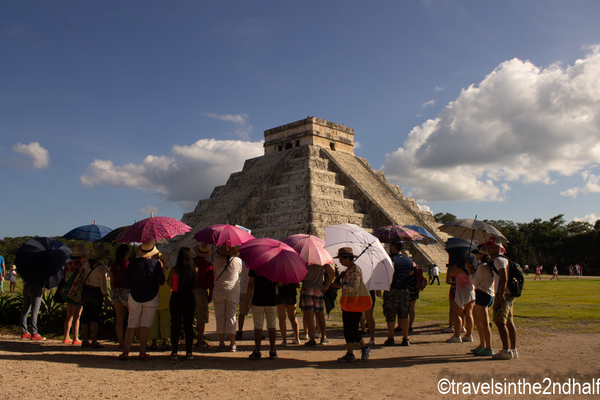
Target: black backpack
point(516, 279)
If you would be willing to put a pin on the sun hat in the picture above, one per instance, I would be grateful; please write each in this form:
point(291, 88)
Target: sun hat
point(13, 267)
point(202, 250)
point(99, 252)
point(345, 252)
point(79, 250)
point(146, 250)
point(227, 251)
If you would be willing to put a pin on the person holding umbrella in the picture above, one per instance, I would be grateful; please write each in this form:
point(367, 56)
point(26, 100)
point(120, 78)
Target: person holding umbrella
point(74, 264)
point(93, 295)
point(144, 275)
point(351, 281)
point(226, 269)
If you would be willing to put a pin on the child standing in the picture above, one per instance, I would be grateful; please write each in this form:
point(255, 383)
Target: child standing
point(263, 293)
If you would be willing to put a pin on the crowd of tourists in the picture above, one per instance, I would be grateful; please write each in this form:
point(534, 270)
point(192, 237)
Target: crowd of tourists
point(160, 299)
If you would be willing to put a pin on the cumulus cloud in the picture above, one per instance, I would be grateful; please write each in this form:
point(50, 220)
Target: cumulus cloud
point(591, 218)
point(592, 185)
point(424, 207)
point(186, 175)
point(40, 157)
point(521, 123)
point(243, 129)
point(429, 103)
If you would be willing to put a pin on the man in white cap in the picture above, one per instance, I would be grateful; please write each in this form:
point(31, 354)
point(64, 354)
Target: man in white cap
point(503, 304)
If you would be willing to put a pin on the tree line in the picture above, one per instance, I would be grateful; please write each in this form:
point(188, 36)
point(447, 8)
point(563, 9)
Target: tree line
point(549, 242)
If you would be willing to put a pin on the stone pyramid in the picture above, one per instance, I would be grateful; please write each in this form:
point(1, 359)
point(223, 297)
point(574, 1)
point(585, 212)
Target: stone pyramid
point(309, 178)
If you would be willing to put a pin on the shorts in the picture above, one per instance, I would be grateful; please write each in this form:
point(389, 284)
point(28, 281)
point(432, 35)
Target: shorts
point(483, 299)
point(91, 298)
point(243, 304)
point(201, 296)
point(503, 314)
point(396, 302)
point(311, 300)
point(259, 313)
point(286, 299)
point(142, 314)
point(414, 294)
point(120, 296)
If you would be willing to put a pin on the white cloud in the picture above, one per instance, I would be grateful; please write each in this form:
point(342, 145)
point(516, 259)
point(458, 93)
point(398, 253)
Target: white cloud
point(591, 218)
point(187, 175)
point(39, 155)
point(439, 89)
point(428, 103)
point(424, 207)
point(150, 210)
point(521, 123)
point(592, 185)
point(241, 120)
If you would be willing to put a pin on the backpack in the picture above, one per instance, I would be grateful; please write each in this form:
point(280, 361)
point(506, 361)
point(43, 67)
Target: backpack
point(421, 280)
point(516, 279)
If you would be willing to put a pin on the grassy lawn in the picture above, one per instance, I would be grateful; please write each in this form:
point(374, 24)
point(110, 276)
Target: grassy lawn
point(570, 303)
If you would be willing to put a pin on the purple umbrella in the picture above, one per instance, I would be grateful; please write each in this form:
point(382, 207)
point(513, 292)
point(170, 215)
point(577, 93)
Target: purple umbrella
point(273, 260)
point(154, 229)
point(396, 233)
point(223, 234)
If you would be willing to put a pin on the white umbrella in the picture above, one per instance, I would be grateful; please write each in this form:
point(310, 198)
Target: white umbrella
point(375, 264)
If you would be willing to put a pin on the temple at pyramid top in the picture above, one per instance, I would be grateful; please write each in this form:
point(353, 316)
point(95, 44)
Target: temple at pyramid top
point(310, 131)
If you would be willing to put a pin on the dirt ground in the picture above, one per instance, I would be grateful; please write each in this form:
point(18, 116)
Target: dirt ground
point(51, 369)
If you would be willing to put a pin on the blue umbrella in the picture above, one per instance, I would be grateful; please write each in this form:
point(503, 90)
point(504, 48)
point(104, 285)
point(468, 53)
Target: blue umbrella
point(41, 258)
point(89, 233)
point(428, 238)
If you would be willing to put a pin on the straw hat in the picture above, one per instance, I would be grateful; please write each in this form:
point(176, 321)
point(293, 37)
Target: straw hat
point(99, 252)
point(345, 252)
point(227, 251)
point(13, 267)
point(146, 250)
point(202, 250)
point(79, 250)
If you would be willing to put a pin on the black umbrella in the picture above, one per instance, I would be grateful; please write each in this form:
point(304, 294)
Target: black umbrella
point(41, 258)
point(112, 237)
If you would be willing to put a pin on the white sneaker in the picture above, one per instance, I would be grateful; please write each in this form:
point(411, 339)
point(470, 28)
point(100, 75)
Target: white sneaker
point(503, 355)
point(463, 330)
point(448, 329)
point(371, 342)
point(514, 353)
point(454, 339)
point(466, 339)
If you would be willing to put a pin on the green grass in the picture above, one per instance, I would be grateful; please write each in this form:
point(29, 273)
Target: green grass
point(568, 304)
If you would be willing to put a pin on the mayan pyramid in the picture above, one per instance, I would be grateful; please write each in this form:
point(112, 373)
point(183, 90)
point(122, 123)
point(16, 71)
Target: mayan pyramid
point(307, 179)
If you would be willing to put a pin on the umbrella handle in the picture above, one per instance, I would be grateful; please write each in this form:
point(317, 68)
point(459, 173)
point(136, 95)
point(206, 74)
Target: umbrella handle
point(363, 252)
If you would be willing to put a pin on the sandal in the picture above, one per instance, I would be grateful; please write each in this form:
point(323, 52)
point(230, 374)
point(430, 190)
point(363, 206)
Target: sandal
point(77, 342)
point(143, 356)
point(123, 356)
point(67, 341)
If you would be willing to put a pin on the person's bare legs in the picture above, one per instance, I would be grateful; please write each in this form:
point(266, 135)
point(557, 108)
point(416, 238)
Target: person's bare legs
point(291, 312)
point(390, 326)
point(272, 338)
point(282, 324)
point(231, 339)
point(200, 327)
point(512, 334)
point(479, 321)
point(411, 314)
point(84, 334)
point(144, 333)
point(458, 320)
point(68, 321)
point(257, 339)
point(94, 333)
point(119, 321)
point(321, 324)
point(468, 318)
point(309, 323)
point(75, 325)
point(370, 322)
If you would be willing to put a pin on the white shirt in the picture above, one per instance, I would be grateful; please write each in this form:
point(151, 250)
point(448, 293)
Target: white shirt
point(483, 279)
point(230, 278)
point(501, 263)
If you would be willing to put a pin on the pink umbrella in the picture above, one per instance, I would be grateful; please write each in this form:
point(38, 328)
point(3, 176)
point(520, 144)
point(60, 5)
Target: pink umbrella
point(274, 260)
point(223, 234)
point(310, 248)
point(154, 229)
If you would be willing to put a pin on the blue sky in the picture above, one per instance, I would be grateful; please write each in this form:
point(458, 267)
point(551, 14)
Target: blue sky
point(110, 110)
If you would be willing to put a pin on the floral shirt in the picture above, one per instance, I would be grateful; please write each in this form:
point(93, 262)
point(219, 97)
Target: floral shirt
point(352, 279)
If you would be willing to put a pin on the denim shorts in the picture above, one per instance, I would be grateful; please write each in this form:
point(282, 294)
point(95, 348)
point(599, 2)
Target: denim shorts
point(483, 299)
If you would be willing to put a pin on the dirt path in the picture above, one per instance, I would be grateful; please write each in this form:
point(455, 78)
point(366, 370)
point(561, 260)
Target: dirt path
point(51, 370)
